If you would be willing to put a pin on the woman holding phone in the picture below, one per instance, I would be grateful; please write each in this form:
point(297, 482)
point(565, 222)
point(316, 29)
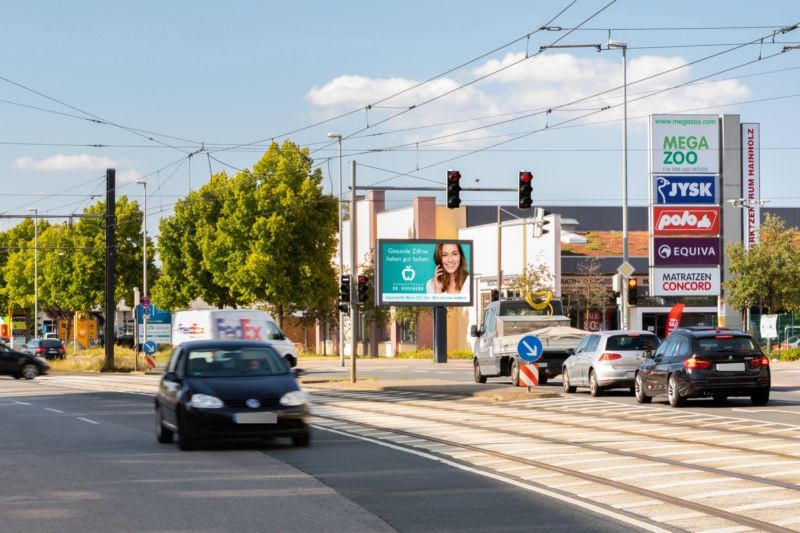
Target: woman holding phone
point(450, 276)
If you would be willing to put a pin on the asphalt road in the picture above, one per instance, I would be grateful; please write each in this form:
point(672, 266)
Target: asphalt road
point(76, 461)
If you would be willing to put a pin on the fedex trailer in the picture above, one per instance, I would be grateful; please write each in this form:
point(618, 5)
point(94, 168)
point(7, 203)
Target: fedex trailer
point(232, 324)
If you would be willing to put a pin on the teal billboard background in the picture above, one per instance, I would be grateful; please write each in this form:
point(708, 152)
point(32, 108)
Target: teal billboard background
point(405, 269)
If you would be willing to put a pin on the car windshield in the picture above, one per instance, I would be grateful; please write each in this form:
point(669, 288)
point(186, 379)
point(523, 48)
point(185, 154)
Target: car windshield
point(737, 345)
point(523, 309)
point(238, 362)
point(632, 342)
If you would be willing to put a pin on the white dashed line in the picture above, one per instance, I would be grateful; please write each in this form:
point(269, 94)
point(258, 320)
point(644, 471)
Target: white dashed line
point(53, 410)
point(87, 420)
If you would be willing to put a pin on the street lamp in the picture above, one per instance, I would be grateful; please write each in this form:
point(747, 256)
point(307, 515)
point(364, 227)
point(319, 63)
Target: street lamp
point(144, 259)
point(624, 47)
point(338, 137)
point(35, 270)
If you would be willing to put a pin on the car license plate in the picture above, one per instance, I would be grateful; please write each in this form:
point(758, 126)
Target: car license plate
point(630, 374)
point(730, 367)
point(256, 418)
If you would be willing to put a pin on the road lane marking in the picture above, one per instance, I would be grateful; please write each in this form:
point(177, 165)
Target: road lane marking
point(87, 420)
point(54, 410)
point(764, 411)
point(21, 403)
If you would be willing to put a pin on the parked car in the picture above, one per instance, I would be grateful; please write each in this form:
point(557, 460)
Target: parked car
point(20, 364)
point(229, 389)
point(705, 362)
point(607, 360)
point(47, 348)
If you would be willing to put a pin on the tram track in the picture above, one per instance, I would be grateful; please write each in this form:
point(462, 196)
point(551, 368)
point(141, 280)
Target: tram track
point(439, 427)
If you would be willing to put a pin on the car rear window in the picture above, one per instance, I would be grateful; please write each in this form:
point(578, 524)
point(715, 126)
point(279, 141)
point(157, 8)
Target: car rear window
point(632, 342)
point(238, 362)
point(736, 345)
point(51, 343)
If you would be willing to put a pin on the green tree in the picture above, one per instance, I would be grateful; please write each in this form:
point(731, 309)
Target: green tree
point(768, 274)
point(534, 278)
point(264, 237)
point(590, 292)
point(186, 275)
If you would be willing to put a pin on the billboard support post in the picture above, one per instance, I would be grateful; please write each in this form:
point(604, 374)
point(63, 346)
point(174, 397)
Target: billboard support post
point(439, 334)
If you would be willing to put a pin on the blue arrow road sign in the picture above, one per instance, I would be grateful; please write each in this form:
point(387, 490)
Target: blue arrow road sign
point(150, 347)
point(530, 349)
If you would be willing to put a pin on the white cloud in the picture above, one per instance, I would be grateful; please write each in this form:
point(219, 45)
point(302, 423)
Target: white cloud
point(127, 176)
point(61, 162)
point(543, 82)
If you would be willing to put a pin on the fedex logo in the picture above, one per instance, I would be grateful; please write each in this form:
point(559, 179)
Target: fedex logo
point(685, 190)
point(191, 329)
point(240, 329)
point(685, 220)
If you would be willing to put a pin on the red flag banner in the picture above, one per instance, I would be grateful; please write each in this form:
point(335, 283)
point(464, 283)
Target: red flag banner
point(674, 318)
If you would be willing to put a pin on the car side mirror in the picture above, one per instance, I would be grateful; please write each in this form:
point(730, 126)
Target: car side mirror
point(474, 331)
point(570, 351)
point(171, 376)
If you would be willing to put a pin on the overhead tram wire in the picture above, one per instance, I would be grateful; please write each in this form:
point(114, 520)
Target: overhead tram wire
point(96, 117)
point(579, 100)
point(394, 95)
point(531, 132)
point(480, 78)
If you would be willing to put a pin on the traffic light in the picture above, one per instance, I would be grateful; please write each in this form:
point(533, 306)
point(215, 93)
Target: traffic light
point(453, 189)
point(363, 289)
point(539, 222)
point(344, 289)
point(525, 188)
point(633, 293)
point(495, 295)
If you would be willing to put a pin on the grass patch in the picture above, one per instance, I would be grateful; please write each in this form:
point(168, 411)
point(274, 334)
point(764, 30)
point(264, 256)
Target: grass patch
point(94, 360)
point(792, 354)
point(428, 354)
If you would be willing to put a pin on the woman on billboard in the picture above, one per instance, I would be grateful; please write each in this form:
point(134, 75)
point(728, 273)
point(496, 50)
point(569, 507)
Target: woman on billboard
point(450, 276)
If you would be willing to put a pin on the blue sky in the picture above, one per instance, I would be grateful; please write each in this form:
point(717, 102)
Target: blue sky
point(211, 75)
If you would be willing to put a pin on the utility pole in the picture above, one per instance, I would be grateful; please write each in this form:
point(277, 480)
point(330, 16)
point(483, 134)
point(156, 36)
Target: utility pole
point(111, 257)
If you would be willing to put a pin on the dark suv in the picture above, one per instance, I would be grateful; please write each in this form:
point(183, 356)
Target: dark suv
point(703, 362)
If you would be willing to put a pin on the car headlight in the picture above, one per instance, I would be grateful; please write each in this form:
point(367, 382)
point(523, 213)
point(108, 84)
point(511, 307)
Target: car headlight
point(297, 397)
point(205, 401)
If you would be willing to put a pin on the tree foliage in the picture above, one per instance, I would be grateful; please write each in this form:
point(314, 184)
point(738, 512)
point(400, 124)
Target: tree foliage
point(533, 278)
point(266, 237)
point(768, 274)
point(591, 291)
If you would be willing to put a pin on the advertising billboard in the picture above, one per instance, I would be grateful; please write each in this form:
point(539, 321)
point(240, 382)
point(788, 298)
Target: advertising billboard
point(685, 221)
point(684, 144)
point(424, 272)
point(683, 190)
point(685, 251)
point(684, 281)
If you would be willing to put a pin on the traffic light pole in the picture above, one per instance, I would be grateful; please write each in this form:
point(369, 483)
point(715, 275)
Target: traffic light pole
point(353, 270)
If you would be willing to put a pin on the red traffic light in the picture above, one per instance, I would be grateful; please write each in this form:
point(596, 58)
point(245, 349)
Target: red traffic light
point(453, 175)
point(526, 177)
point(362, 280)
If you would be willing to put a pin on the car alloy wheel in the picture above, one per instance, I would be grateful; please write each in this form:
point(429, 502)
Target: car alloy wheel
point(163, 435)
point(479, 377)
point(29, 371)
point(594, 387)
point(675, 398)
point(638, 386)
point(565, 381)
point(515, 373)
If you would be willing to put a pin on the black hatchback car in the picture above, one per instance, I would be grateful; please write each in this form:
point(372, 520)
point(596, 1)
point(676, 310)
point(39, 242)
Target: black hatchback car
point(20, 364)
point(705, 362)
point(229, 389)
point(47, 348)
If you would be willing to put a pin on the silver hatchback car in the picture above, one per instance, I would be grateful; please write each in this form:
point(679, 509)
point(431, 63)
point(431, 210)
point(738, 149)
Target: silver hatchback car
point(607, 360)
